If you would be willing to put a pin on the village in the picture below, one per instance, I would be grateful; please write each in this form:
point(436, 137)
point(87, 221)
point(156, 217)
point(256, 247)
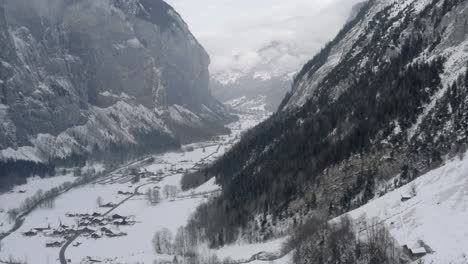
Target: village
point(130, 203)
point(93, 226)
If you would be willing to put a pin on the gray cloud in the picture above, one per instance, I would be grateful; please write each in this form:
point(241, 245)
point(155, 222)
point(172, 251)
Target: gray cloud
point(233, 31)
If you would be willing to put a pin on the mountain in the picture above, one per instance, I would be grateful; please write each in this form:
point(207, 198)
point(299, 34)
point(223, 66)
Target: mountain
point(381, 104)
point(83, 79)
point(269, 77)
point(268, 91)
point(355, 11)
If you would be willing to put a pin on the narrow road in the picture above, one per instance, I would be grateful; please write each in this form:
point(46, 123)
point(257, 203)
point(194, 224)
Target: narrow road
point(62, 257)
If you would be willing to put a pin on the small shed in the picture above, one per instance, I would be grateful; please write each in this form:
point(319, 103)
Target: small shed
point(54, 244)
point(30, 233)
point(418, 252)
point(108, 205)
point(117, 216)
point(406, 197)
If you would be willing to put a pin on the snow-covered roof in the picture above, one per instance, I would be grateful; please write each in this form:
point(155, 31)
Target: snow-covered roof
point(417, 251)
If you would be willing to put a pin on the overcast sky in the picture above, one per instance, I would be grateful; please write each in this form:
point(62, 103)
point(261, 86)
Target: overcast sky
point(232, 31)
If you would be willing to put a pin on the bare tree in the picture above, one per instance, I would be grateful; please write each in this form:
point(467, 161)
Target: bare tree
point(170, 191)
point(413, 190)
point(153, 196)
point(99, 201)
point(163, 242)
point(12, 214)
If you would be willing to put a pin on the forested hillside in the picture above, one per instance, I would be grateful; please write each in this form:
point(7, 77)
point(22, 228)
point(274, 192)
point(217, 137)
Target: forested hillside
point(382, 103)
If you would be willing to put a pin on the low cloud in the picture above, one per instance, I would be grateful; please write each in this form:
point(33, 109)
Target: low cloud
point(235, 31)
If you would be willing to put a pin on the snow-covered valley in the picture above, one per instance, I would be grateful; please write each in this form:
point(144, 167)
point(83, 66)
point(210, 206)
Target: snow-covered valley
point(45, 230)
point(435, 213)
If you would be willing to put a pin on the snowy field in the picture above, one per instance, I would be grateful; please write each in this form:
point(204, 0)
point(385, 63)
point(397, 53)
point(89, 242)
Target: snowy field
point(437, 215)
point(15, 197)
point(146, 219)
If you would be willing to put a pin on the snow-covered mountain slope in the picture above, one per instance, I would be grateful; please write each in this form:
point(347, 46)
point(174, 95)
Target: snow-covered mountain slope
point(388, 96)
point(437, 214)
point(82, 77)
point(393, 17)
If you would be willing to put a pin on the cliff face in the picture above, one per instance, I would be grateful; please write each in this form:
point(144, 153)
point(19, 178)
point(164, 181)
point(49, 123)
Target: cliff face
point(80, 76)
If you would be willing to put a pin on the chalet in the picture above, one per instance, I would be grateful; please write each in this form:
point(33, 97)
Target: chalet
point(63, 226)
point(54, 244)
point(96, 221)
point(406, 197)
point(58, 233)
point(108, 205)
point(41, 229)
point(95, 236)
point(111, 234)
point(30, 233)
point(120, 222)
point(95, 214)
point(84, 223)
point(418, 252)
point(117, 216)
point(105, 230)
point(87, 230)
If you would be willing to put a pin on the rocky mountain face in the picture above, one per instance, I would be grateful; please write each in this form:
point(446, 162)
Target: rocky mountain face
point(81, 77)
point(382, 103)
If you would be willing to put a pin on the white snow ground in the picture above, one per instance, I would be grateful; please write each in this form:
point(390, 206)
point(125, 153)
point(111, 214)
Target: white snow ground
point(437, 215)
point(20, 193)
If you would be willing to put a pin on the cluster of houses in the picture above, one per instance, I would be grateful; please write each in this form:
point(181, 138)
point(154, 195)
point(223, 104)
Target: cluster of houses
point(88, 225)
point(62, 232)
point(175, 170)
point(96, 219)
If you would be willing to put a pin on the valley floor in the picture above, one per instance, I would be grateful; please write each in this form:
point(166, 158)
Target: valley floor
point(130, 242)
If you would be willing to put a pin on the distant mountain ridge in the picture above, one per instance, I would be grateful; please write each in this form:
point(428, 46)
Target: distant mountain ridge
point(270, 77)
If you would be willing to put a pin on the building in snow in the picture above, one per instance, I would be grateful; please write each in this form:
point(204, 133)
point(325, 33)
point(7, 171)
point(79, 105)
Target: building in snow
point(406, 197)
